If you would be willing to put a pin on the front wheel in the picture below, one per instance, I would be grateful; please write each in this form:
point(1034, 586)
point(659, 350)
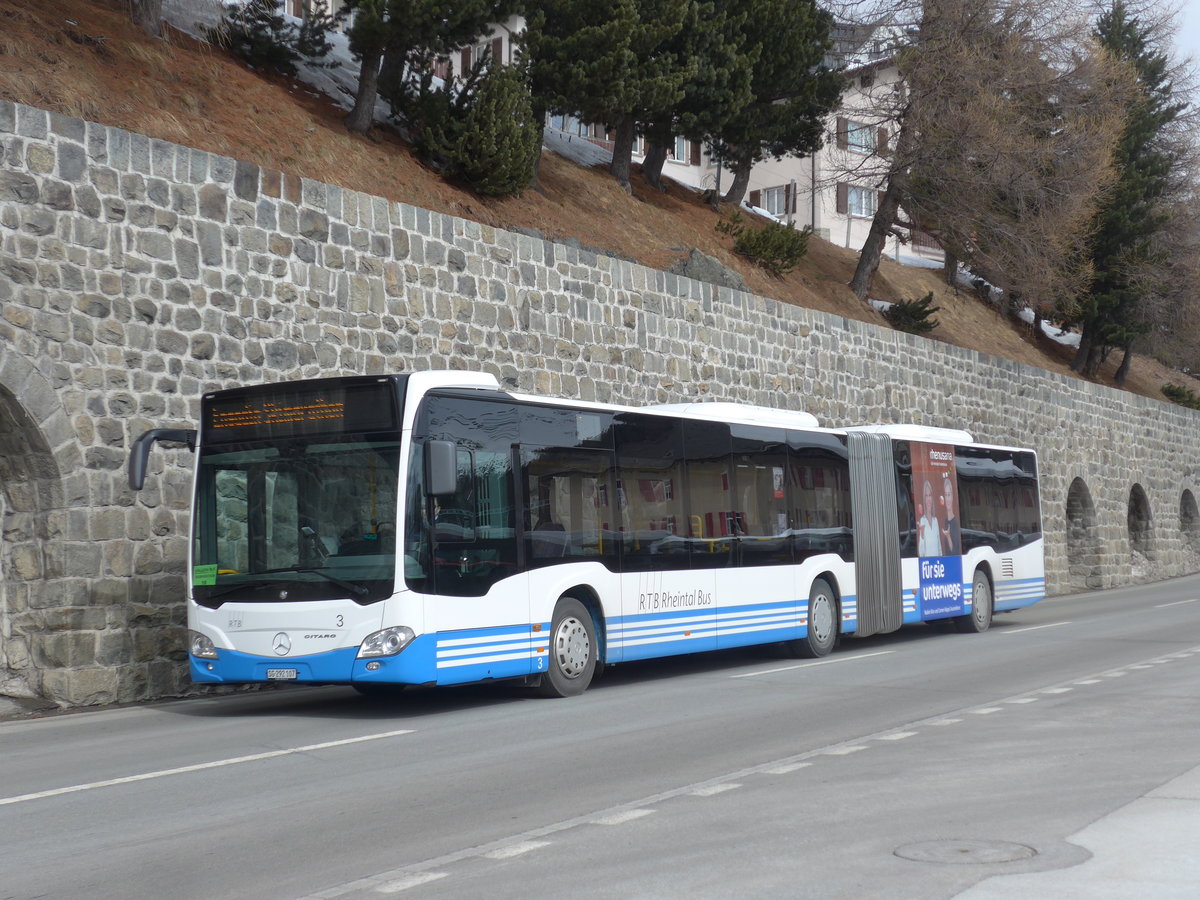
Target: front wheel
point(572, 651)
point(979, 619)
point(822, 623)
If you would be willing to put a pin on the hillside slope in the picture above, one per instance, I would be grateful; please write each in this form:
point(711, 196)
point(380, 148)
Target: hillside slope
point(84, 58)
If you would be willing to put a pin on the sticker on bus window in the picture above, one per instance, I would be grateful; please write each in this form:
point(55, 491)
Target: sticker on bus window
point(204, 575)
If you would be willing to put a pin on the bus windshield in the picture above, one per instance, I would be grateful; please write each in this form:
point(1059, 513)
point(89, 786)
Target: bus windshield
point(296, 519)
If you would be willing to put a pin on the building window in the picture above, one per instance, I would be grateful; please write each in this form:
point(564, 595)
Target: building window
point(680, 150)
point(860, 138)
point(774, 200)
point(860, 202)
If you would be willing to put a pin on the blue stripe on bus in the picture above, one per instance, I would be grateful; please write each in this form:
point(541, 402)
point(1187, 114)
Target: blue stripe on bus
point(1019, 592)
point(232, 666)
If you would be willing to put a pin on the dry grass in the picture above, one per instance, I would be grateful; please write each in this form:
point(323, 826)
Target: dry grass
point(84, 58)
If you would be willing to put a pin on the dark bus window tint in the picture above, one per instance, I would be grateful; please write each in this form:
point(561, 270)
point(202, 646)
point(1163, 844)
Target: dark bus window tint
point(905, 513)
point(708, 498)
point(571, 502)
point(818, 493)
point(548, 426)
point(650, 488)
point(473, 530)
point(998, 498)
point(759, 511)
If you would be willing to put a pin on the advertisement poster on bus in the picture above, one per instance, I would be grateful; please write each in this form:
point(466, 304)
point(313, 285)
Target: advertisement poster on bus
point(939, 533)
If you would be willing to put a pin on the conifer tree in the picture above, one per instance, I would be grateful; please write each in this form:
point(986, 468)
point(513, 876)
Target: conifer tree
point(1131, 215)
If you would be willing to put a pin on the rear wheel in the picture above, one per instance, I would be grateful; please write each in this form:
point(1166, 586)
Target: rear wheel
point(572, 660)
point(979, 619)
point(822, 623)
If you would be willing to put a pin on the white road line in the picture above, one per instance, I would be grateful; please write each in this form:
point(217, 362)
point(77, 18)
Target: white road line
point(1177, 603)
point(515, 849)
point(897, 736)
point(819, 662)
point(786, 769)
point(843, 751)
point(714, 789)
point(1058, 690)
point(1089, 681)
point(1033, 628)
point(620, 818)
point(985, 710)
point(410, 881)
point(940, 722)
point(1023, 700)
point(200, 767)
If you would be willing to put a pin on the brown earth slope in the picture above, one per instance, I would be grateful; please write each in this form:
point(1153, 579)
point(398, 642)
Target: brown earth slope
point(84, 58)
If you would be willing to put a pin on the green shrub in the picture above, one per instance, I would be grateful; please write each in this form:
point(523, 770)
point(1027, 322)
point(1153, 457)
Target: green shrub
point(1181, 395)
point(913, 316)
point(776, 247)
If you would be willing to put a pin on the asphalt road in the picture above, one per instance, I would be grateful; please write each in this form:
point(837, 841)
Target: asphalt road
point(916, 764)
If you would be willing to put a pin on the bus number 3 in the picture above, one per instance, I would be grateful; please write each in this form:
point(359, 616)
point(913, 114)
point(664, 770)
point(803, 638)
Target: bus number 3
point(341, 621)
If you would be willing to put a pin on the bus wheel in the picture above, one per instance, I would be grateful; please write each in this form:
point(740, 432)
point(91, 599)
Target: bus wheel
point(572, 651)
point(822, 623)
point(980, 617)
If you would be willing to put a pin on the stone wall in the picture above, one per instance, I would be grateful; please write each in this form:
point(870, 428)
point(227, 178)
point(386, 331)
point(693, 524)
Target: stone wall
point(135, 274)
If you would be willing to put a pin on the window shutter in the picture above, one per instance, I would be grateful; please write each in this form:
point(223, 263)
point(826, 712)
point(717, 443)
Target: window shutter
point(498, 51)
point(756, 199)
point(695, 153)
point(787, 198)
point(466, 63)
point(881, 142)
point(843, 197)
point(795, 196)
point(843, 133)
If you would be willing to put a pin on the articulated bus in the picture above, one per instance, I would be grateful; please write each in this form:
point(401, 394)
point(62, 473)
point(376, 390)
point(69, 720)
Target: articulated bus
point(433, 529)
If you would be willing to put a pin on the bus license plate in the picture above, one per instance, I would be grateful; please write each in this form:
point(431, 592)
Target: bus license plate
point(281, 674)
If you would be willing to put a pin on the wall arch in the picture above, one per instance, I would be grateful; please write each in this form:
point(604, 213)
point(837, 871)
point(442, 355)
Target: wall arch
point(1189, 520)
point(1083, 538)
point(1139, 521)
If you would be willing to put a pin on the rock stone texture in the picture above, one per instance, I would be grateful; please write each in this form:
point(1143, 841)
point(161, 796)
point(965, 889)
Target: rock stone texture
point(136, 274)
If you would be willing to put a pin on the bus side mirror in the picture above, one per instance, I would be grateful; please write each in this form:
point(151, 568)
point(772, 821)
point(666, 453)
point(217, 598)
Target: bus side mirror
point(139, 455)
point(441, 468)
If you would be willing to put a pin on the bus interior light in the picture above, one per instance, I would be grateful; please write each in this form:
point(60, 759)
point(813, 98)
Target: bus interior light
point(201, 646)
point(387, 642)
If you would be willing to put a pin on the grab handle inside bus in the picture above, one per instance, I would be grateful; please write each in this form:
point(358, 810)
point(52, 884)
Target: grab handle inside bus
point(441, 468)
point(139, 456)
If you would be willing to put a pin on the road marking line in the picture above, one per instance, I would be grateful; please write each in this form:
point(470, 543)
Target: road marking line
point(516, 849)
point(786, 769)
point(714, 789)
point(819, 662)
point(1033, 628)
point(1023, 700)
point(941, 722)
point(1089, 681)
point(411, 881)
point(985, 711)
point(843, 751)
point(1115, 674)
point(1058, 690)
point(200, 767)
point(620, 818)
point(898, 736)
point(1177, 603)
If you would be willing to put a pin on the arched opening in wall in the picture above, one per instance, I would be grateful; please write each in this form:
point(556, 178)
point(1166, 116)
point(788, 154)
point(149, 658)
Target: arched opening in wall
point(1083, 539)
point(29, 477)
point(1189, 521)
point(1140, 522)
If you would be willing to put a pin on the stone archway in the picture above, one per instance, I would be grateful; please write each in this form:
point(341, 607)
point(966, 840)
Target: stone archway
point(30, 488)
point(1140, 522)
point(1083, 538)
point(1189, 520)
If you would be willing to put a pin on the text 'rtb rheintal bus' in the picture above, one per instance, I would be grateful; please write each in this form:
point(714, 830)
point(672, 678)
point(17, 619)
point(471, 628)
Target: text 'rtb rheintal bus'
point(433, 529)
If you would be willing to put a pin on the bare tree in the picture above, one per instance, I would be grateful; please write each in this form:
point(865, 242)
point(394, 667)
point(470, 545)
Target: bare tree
point(1002, 121)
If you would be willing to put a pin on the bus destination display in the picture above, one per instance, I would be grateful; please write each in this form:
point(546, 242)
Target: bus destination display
point(275, 413)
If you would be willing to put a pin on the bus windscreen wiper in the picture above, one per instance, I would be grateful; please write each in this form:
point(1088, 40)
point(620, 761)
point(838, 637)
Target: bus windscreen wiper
point(356, 589)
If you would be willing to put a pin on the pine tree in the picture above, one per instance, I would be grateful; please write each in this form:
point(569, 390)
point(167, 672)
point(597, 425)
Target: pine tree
point(793, 90)
point(498, 142)
point(1130, 215)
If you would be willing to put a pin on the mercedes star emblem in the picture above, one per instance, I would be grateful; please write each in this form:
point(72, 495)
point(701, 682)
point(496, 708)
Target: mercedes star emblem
point(281, 644)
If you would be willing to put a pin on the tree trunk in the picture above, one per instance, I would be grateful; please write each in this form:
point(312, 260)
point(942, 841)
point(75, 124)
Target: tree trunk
point(622, 160)
point(1087, 357)
point(147, 15)
point(949, 267)
point(652, 165)
point(359, 119)
point(1123, 369)
point(741, 180)
point(876, 243)
point(391, 75)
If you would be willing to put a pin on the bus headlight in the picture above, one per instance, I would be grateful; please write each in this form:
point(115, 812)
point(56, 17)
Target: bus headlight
point(201, 646)
point(388, 642)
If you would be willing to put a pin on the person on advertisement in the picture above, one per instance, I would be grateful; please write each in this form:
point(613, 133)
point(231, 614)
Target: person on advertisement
point(928, 530)
point(951, 533)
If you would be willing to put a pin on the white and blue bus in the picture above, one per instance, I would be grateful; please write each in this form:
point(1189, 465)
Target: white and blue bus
point(431, 529)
